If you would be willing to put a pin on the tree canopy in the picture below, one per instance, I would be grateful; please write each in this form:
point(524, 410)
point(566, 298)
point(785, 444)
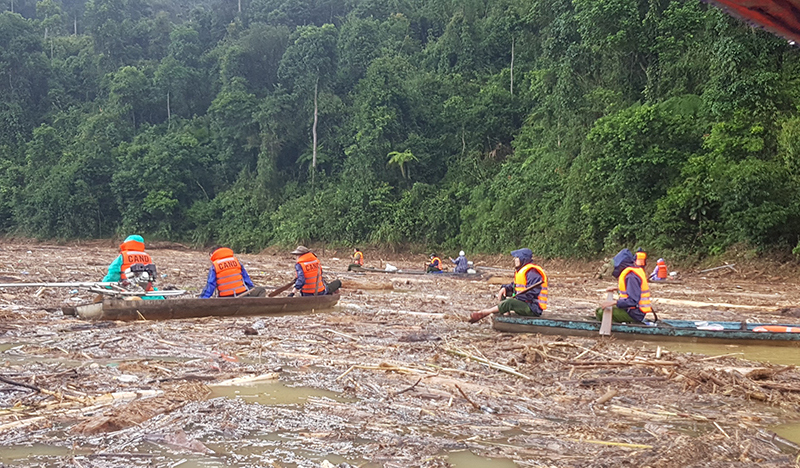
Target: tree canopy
point(573, 127)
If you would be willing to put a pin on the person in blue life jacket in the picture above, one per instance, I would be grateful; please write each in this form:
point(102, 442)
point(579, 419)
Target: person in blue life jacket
point(131, 252)
point(528, 295)
point(634, 291)
point(227, 277)
point(462, 265)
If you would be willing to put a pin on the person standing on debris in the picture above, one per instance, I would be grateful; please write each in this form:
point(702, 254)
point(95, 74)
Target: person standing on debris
point(660, 272)
point(435, 265)
point(462, 265)
point(358, 259)
point(227, 276)
point(309, 280)
point(131, 251)
point(641, 258)
point(528, 294)
point(634, 291)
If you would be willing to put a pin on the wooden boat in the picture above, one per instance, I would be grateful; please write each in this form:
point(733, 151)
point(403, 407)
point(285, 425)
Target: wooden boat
point(444, 274)
point(115, 309)
point(665, 330)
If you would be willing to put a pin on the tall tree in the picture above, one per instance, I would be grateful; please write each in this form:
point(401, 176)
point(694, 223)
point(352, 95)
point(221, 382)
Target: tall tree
point(310, 62)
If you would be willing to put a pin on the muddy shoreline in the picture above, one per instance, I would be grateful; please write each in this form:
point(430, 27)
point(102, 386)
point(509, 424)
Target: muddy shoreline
point(397, 373)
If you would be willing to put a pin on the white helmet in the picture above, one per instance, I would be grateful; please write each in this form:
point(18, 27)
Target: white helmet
point(461, 253)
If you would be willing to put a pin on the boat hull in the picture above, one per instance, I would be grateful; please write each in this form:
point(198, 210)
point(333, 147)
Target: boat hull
point(666, 330)
point(444, 274)
point(113, 309)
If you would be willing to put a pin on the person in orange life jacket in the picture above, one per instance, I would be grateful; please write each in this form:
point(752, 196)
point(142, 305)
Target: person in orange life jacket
point(532, 302)
point(130, 251)
point(634, 298)
point(435, 265)
point(660, 272)
point(640, 258)
point(227, 276)
point(358, 260)
point(309, 280)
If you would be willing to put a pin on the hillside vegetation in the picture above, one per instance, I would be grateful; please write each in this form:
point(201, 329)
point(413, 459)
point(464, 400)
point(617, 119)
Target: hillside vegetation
point(573, 127)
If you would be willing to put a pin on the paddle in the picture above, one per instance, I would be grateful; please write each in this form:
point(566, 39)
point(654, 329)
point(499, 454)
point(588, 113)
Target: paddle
point(477, 316)
point(281, 289)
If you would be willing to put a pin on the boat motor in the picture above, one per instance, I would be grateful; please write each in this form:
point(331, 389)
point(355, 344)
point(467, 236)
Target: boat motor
point(141, 275)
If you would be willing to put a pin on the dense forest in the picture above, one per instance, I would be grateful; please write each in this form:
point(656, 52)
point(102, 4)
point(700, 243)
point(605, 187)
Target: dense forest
point(569, 126)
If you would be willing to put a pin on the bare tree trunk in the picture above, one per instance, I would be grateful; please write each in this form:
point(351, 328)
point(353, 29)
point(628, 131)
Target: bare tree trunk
point(463, 141)
point(75, 27)
point(169, 114)
point(512, 66)
point(240, 6)
point(314, 133)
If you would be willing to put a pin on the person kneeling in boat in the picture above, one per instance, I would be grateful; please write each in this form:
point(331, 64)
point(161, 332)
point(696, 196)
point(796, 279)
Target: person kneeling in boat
point(435, 265)
point(462, 265)
point(228, 277)
point(131, 252)
point(358, 260)
point(660, 272)
point(527, 295)
point(634, 291)
point(309, 280)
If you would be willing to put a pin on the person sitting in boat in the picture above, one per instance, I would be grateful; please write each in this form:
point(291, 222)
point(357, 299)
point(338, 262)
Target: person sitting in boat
point(640, 258)
point(435, 265)
point(462, 265)
point(660, 272)
point(358, 260)
point(131, 252)
point(309, 280)
point(227, 277)
point(527, 295)
point(634, 291)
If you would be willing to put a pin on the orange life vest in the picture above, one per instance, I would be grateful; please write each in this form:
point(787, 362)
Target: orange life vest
point(358, 258)
point(521, 283)
point(661, 270)
point(776, 329)
point(644, 299)
point(312, 271)
point(641, 259)
point(436, 263)
point(229, 273)
point(133, 252)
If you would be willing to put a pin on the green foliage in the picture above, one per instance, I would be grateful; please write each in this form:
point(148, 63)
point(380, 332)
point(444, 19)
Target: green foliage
point(23, 79)
point(628, 162)
point(401, 159)
point(573, 127)
point(158, 177)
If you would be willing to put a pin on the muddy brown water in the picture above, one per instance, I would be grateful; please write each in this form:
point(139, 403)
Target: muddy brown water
point(239, 453)
point(324, 409)
point(273, 393)
point(783, 355)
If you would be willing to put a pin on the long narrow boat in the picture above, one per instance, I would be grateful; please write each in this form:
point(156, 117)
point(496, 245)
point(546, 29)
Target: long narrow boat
point(665, 330)
point(115, 309)
point(446, 274)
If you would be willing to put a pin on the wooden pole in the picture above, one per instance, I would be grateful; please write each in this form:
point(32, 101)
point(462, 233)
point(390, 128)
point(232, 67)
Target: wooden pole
point(605, 326)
